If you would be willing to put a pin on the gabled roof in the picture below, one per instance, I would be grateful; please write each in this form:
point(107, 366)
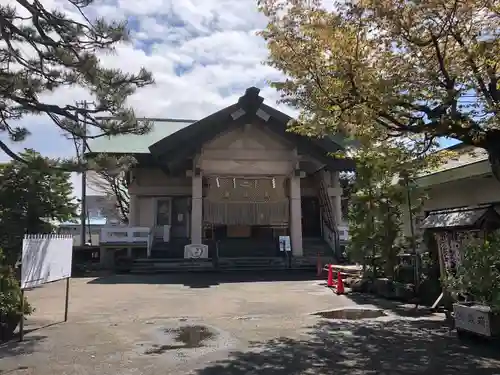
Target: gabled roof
point(172, 142)
point(188, 141)
point(460, 218)
point(138, 144)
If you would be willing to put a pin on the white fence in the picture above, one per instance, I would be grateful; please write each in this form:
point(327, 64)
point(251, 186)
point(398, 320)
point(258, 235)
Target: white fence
point(125, 235)
point(92, 239)
point(45, 258)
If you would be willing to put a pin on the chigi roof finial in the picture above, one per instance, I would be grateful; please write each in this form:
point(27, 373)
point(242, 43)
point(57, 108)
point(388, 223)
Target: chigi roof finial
point(251, 101)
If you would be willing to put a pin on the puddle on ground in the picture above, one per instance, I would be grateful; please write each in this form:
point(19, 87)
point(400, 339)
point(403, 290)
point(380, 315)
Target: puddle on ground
point(185, 337)
point(351, 314)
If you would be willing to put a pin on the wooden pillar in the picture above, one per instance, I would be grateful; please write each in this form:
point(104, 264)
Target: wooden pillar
point(337, 199)
point(197, 208)
point(295, 215)
point(133, 213)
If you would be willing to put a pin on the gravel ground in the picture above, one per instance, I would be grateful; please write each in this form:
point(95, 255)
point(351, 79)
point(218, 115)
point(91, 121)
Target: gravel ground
point(229, 325)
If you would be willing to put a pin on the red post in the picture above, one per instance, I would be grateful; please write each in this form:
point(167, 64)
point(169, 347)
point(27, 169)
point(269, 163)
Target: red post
point(340, 284)
point(329, 282)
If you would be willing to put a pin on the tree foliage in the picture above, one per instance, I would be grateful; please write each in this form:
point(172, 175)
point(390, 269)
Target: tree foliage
point(383, 191)
point(30, 199)
point(10, 301)
point(477, 276)
point(44, 50)
point(426, 67)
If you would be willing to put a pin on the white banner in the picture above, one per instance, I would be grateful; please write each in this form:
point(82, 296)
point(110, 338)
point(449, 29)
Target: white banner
point(45, 258)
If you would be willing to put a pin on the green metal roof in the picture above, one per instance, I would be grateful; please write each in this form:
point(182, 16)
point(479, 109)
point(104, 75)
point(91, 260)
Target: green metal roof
point(137, 144)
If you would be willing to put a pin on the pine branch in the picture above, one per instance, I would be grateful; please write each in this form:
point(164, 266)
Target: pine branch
point(45, 51)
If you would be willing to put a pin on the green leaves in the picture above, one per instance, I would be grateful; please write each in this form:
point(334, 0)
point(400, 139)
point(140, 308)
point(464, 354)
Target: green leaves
point(378, 210)
point(478, 274)
point(410, 67)
point(10, 300)
point(44, 50)
point(30, 194)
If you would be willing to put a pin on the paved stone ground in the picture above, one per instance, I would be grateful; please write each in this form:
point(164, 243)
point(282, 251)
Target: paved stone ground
point(124, 325)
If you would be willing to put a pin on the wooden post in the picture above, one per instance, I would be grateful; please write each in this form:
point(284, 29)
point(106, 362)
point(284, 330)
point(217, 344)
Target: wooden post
point(442, 274)
point(21, 323)
point(66, 302)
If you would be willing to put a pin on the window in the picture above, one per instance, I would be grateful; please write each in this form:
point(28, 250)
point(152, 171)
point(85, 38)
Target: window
point(163, 209)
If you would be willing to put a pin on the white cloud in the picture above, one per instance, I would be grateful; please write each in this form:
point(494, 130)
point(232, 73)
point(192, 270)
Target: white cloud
point(203, 54)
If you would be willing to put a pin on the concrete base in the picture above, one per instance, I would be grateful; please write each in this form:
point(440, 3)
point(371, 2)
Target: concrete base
point(107, 256)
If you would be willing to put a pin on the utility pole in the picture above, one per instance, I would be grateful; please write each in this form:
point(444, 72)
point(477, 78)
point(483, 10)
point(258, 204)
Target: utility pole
point(83, 147)
point(416, 256)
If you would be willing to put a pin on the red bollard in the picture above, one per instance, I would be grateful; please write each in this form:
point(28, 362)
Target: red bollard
point(329, 282)
point(340, 284)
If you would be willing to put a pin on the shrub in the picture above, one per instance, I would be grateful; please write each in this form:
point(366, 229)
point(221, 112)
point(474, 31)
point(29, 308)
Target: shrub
point(10, 301)
point(477, 276)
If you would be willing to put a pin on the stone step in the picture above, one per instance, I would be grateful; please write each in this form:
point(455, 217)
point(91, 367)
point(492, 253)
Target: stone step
point(225, 264)
point(171, 261)
point(156, 266)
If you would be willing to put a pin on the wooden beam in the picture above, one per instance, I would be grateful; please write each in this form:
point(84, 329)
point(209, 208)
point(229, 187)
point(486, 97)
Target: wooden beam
point(175, 159)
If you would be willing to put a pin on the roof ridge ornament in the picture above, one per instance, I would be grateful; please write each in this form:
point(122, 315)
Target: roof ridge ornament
point(251, 101)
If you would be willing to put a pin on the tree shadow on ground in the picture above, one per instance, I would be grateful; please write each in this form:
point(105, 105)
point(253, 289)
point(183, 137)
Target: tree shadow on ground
point(207, 280)
point(408, 347)
point(15, 347)
point(398, 308)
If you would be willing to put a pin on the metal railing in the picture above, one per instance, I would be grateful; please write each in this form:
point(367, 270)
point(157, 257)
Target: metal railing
point(125, 235)
point(328, 214)
point(150, 245)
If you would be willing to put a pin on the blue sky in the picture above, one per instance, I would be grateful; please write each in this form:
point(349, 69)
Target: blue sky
point(203, 54)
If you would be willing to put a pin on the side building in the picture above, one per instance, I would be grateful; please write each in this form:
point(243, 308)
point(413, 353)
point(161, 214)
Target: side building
point(458, 191)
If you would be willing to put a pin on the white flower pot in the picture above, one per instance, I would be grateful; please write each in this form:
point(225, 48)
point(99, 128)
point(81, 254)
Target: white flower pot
point(477, 319)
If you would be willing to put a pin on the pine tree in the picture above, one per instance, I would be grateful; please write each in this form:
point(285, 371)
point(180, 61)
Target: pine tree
point(30, 199)
point(43, 50)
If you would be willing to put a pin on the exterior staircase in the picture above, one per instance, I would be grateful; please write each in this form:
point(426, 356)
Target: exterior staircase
point(328, 218)
point(169, 250)
point(252, 264)
point(233, 254)
point(244, 254)
point(149, 266)
point(312, 248)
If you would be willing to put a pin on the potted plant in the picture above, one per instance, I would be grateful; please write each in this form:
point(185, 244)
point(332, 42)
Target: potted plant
point(475, 285)
point(10, 301)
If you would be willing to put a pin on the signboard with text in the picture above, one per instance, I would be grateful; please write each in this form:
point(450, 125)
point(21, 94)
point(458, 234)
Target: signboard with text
point(285, 244)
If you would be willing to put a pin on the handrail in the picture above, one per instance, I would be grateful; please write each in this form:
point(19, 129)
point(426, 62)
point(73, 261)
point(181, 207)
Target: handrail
point(334, 230)
point(215, 259)
point(150, 243)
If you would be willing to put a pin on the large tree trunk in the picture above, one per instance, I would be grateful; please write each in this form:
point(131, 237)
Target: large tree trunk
point(494, 158)
point(492, 145)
